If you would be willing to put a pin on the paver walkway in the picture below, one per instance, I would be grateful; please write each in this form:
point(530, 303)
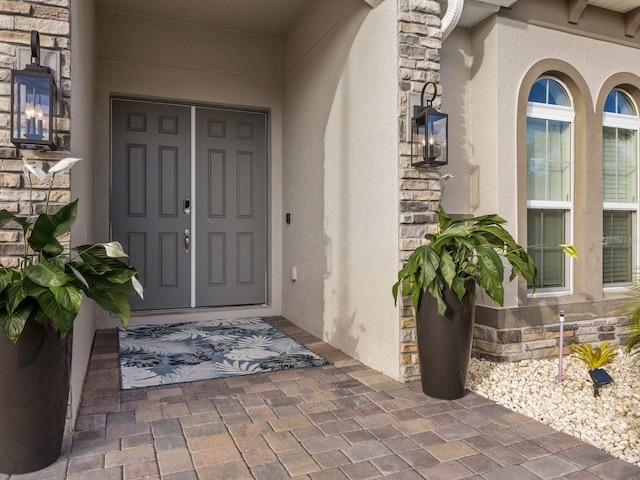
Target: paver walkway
point(343, 421)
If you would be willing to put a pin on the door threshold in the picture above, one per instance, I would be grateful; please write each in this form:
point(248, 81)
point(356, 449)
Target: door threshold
point(159, 317)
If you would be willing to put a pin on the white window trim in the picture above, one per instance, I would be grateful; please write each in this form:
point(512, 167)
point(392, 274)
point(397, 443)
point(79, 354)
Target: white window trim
point(568, 289)
point(549, 205)
point(627, 207)
point(629, 122)
point(618, 120)
point(551, 112)
point(612, 287)
point(565, 114)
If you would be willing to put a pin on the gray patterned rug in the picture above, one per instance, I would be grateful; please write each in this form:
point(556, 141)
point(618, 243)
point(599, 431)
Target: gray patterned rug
point(153, 355)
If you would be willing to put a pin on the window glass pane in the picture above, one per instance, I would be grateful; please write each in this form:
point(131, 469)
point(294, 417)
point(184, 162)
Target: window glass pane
point(617, 247)
point(619, 164)
point(545, 230)
point(548, 160)
point(624, 104)
point(619, 102)
point(538, 93)
point(610, 103)
point(557, 94)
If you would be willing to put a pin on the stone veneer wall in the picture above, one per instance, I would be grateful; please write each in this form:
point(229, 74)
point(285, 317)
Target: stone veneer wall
point(51, 18)
point(543, 341)
point(419, 40)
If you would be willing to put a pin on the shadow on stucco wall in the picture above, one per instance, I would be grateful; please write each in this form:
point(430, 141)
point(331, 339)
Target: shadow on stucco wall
point(311, 77)
point(463, 192)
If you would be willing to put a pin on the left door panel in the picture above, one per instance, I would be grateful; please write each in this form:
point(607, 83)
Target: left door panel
point(150, 190)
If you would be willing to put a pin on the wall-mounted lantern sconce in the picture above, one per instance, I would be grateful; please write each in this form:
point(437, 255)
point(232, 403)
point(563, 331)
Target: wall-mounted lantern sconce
point(429, 133)
point(33, 98)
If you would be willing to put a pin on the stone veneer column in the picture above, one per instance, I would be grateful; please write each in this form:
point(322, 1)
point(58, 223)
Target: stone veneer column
point(419, 40)
point(51, 18)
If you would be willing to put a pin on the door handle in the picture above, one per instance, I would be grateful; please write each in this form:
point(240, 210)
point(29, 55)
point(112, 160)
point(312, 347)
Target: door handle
point(187, 240)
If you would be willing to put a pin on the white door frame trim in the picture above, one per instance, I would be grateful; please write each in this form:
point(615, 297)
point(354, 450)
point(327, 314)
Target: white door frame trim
point(192, 206)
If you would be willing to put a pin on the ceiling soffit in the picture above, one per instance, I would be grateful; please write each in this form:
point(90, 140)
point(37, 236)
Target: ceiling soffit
point(260, 17)
point(477, 10)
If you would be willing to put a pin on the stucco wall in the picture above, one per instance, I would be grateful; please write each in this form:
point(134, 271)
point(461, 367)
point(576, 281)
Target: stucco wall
point(456, 101)
point(82, 112)
point(506, 55)
point(340, 178)
point(149, 58)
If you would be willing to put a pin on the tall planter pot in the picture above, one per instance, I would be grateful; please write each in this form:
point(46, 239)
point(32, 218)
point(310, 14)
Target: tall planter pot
point(34, 391)
point(444, 342)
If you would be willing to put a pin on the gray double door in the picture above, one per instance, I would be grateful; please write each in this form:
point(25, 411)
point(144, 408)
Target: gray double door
point(189, 202)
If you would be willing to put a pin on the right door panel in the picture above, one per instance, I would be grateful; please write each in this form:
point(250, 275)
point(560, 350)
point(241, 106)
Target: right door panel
point(231, 208)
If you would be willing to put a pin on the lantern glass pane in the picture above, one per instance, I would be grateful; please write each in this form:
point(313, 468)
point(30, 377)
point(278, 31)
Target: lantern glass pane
point(437, 138)
point(418, 139)
point(32, 108)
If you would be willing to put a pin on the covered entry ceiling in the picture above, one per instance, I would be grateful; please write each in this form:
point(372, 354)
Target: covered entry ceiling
point(263, 17)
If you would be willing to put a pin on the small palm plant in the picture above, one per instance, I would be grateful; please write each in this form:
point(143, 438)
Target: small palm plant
point(594, 358)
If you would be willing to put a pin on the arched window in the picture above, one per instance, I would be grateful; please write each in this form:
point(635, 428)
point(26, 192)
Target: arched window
point(550, 119)
point(619, 188)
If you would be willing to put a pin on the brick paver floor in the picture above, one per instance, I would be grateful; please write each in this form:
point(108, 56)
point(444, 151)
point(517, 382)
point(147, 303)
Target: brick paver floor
point(343, 421)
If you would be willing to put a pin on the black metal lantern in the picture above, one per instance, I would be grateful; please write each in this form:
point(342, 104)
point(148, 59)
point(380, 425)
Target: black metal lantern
point(33, 97)
point(429, 133)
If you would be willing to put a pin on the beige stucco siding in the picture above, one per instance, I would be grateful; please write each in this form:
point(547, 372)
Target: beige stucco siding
point(505, 57)
point(340, 179)
point(149, 58)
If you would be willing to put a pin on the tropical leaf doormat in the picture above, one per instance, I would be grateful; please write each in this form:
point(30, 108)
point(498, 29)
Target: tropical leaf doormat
point(153, 355)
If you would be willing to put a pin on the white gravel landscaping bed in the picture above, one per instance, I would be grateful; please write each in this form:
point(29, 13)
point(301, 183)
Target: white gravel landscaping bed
point(610, 422)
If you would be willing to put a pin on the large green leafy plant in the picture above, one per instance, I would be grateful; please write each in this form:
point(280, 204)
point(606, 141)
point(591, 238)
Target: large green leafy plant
point(49, 283)
point(462, 250)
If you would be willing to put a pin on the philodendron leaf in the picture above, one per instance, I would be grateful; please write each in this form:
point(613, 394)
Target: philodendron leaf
point(112, 302)
point(79, 276)
point(15, 295)
point(47, 228)
point(46, 274)
point(96, 257)
point(61, 317)
point(491, 273)
point(435, 289)
point(6, 217)
point(6, 277)
point(119, 276)
point(12, 324)
point(68, 297)
point(458, 286)
point(124, 309)
point(447, 267)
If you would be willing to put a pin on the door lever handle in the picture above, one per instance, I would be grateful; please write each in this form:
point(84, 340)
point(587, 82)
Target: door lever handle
point(187, 240)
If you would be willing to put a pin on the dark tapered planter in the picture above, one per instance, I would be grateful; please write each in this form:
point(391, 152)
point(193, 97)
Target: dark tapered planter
point(444, 343)
point(34, 390)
